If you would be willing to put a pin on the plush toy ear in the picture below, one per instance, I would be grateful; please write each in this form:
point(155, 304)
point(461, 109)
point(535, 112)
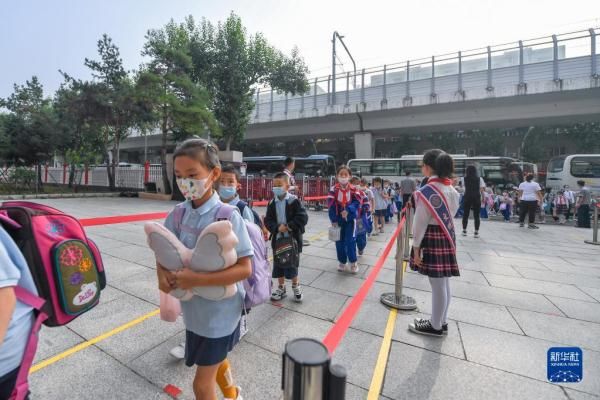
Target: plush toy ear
point(169, 251)
point(215, 248)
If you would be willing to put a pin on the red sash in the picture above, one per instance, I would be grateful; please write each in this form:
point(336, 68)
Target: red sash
point(437, 204)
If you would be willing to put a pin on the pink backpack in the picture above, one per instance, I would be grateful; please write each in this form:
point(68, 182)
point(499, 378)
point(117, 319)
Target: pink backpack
point(258, 285)
point(65, 264)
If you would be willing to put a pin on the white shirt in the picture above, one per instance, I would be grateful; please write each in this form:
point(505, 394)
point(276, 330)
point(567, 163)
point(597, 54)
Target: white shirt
point(423, 216)
point(529, 190)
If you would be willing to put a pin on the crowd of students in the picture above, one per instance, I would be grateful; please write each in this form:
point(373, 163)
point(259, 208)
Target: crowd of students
point(358, 210)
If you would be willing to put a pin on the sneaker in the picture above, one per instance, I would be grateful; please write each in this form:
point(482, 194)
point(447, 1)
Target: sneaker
point(532, 226)
point(444, 326)
point(354, 268)
point(243, 326)
point(341, 267)
point(278, 294)
point(424, 327)
point(178, 351)
point(297, 293)
point(464, 232)
point(476, 234)
point(239, 394)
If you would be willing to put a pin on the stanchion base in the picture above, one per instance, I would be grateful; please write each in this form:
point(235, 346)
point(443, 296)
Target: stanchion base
point(402, 303)
point(592, 242)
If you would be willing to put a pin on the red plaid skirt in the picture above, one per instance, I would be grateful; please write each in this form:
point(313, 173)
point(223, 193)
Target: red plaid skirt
point(438, 256)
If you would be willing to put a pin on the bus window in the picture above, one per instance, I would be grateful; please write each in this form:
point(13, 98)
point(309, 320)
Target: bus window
point(556, 165)
point(459, 167)
point(412, 166)
point(387, 168)
point(362, 168)
point(585, 167)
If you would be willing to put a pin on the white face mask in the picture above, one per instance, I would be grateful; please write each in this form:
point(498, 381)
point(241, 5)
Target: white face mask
point(192, 189)
point(343, 181)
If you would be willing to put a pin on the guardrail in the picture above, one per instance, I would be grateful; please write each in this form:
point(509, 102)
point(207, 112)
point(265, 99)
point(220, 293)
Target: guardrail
point(557, 62)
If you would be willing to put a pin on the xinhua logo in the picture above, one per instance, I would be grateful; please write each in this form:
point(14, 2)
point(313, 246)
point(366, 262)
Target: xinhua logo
point(565, 365)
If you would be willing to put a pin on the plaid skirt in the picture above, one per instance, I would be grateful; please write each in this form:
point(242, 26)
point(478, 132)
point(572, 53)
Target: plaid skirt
point(438, 257)
point(561, 209)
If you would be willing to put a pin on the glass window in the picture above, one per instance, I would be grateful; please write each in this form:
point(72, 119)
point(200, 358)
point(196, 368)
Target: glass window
point(361, 168)
point(386, 168)
point(412, 166)
point(556, 165)
point(585, 167)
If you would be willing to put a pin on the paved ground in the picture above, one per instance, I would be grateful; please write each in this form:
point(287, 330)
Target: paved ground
point(520, 292)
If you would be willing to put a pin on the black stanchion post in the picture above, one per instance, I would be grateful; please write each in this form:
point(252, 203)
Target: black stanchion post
point(307, 373)
point(594, 240)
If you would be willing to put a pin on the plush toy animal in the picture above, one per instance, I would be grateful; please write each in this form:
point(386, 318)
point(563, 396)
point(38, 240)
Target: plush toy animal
point(214, 251)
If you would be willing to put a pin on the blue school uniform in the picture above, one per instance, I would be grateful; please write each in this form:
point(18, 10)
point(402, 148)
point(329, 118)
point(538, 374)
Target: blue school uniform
point(212, 327)
point(362, 224)
point(341, 199)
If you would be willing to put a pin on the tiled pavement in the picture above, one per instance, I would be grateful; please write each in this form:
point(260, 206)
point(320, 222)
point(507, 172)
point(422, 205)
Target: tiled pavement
point(520, 292)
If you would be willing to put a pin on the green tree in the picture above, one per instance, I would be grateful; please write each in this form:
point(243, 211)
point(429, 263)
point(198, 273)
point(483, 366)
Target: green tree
point(179, 105)
point(488, 142)
point(230, 64)
point(114, 101)
point(531, 150)
point(586, 136)
point(29, 129)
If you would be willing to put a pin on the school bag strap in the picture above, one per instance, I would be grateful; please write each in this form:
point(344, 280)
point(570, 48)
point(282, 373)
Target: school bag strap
point(21, 385)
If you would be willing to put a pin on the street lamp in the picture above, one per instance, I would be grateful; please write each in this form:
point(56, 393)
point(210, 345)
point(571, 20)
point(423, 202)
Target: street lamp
point(333, 54)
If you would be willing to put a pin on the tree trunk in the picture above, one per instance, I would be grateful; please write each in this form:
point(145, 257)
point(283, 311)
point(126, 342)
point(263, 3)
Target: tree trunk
point(39, 176)
point(110, 172)
point(163, 157)
point(72, 172)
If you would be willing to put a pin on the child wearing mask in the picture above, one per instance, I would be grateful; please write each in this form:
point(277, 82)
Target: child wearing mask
point(380, 198)
point(362, 219)
point(285, 216)
point(344, 204)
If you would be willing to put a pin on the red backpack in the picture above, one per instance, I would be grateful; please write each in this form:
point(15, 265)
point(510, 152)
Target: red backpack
point(65, 264)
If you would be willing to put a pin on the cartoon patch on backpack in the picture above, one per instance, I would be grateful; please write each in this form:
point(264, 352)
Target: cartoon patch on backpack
point(77, 276)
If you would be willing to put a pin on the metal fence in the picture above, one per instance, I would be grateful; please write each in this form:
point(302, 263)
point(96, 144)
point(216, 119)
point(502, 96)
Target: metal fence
point(558, 62)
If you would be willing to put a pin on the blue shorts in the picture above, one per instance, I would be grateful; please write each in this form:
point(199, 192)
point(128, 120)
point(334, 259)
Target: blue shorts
point(287, 273)
point(203, 351)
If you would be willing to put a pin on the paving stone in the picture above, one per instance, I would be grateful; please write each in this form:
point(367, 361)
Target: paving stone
point(143, 285)
point(575, 269)
point(119, 270)
point(338, 283)
point(559, 329)
point(316, 303)
point(358, 353)
point(55, 340)
point(496, 268)
point(537, 286)
point(107, 316)
point(416, 374)
point(284, 326)
point(449, 345)
point(132, 253)
point(576, 395)
point(522, 355)
point(572, 278)
point(91, 374)
point(582, 310)
point(593, 292)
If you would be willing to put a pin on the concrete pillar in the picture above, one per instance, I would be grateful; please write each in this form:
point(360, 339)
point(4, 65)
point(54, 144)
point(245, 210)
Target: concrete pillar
point(363, 145)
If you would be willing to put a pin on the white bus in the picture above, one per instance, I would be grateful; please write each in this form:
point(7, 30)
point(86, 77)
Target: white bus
point(567, 170)
point(499, 171)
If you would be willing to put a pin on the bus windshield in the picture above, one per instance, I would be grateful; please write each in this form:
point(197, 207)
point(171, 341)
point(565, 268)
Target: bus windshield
point(556, 165)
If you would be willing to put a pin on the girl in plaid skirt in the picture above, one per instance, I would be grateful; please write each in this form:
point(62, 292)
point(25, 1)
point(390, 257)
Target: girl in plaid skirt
point(434, 243)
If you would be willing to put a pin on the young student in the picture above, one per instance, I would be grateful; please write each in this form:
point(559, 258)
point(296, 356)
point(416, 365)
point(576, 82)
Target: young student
point(390, 194)
point(285, 216)
point(344, 203)
point(398, 200)
point(582, 207)
point(362, 219)
point(16, 318)
point(506, 205)
point(561, 207)
point(380, 200)
point(365, 187)
point(434, 238)
point(229, 183)
point(212, 327)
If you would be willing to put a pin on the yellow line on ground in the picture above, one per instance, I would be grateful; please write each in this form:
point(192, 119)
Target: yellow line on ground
point(88, 343)
point(127, 325)
point(384, 351)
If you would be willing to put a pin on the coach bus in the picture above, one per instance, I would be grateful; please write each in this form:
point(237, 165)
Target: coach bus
point(314, 165)
point(499, 171)
point(567, 170)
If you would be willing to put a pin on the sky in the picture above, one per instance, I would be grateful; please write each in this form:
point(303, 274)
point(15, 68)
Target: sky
point(39, 37)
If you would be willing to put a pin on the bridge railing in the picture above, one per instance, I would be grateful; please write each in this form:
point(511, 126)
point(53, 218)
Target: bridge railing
point(557, 62)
